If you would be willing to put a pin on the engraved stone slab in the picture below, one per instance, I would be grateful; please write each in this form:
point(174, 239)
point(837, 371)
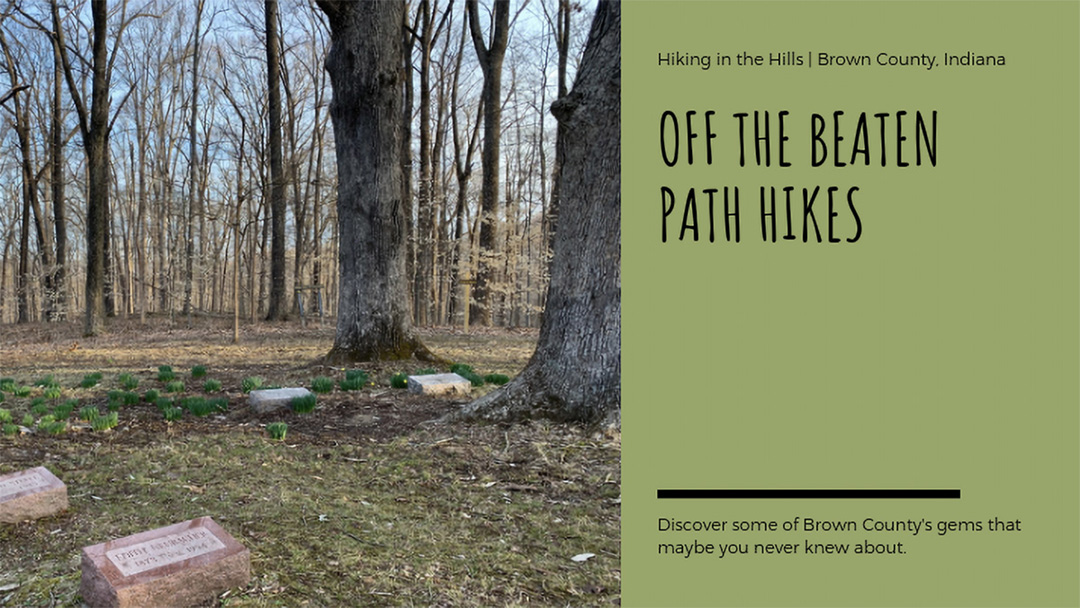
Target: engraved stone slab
point(31, 494)
point(179, 565)
point(268, 400)
point(439, 384)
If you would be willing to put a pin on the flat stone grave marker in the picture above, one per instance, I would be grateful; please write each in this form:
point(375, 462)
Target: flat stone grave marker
point(270, 399)
point(179, 565)
point(31, 494)
point(439, 384)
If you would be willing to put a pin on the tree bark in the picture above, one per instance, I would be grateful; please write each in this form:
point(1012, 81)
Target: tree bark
point(278, 307)
point(575, 373)
point(97, 149)
point(364, 63)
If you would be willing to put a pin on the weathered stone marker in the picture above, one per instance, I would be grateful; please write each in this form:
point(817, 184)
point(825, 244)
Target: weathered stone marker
point(31, 494)
point(179, 565)
point(268, 400)
point(439, 384)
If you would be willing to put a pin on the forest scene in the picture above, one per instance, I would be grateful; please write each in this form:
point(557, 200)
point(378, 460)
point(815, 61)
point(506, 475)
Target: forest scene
point(211, 202)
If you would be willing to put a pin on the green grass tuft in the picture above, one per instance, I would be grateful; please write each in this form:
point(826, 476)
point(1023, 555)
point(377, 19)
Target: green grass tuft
point(199, 371)
point(461, 369)
point(173, 413)
point(305, 404)
point(128, 382)
point(176, 386)
point(277, 430)
point(212, 386)
point(11, 429)
point(64, 410)
point(88, 413)
point(251, 383)
point(322, 385)
point(5, 416)
point(497, 379)
point(106, 422)
point(151, 396)
point(399, 380)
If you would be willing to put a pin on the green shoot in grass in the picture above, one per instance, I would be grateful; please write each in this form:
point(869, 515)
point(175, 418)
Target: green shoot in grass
point(5, 416)
point(106, 422)
point(128, 382)
point(461, 369)
point(63, 411)
point(355, 379)
point(53, 392)
point(163, 403)
point(176, 386)
point(7, 385)
point(277, 430)
point(200, 407)
point(400, 380)
point(22, 391)
point(165, 374)
point(151, 396)
point(28, 420)
point(88, 413)
point(45, 421)
point(220, 404)
point(10, 429)
point(322, 385)
point(173, 413)
point(54, 427)
point(198, 371)
point(89, 381)
point(497, 379)
point(251, 383)
point(352, 385)
point(114, 395)
point(304, 405)
point(45, 382)
point(212, 386)
point(129, 398)
point(39, 409)
point(473, 378)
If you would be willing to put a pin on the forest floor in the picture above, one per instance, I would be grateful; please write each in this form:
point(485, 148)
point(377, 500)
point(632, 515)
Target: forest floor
point(368, 501)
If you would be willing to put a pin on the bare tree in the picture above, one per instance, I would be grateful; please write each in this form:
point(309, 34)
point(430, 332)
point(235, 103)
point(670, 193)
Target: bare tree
point(364, 63)
point(278, 308)
point(581, 330)
point(490, 55)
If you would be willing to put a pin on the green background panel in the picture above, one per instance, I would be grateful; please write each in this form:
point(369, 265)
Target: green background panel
point(938, 351)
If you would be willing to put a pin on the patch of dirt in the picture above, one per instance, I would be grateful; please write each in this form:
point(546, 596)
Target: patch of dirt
point(282, 354)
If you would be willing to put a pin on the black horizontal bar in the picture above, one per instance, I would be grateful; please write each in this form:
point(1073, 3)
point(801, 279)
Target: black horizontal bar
point(810, 493)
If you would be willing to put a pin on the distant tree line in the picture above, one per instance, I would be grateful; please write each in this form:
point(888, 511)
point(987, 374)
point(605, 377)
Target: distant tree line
point(161, 158)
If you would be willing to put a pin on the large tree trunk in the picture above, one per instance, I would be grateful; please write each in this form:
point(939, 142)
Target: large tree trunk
point(97, 206)
point(364, 63)
point(575, 373)
point(278, 308)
